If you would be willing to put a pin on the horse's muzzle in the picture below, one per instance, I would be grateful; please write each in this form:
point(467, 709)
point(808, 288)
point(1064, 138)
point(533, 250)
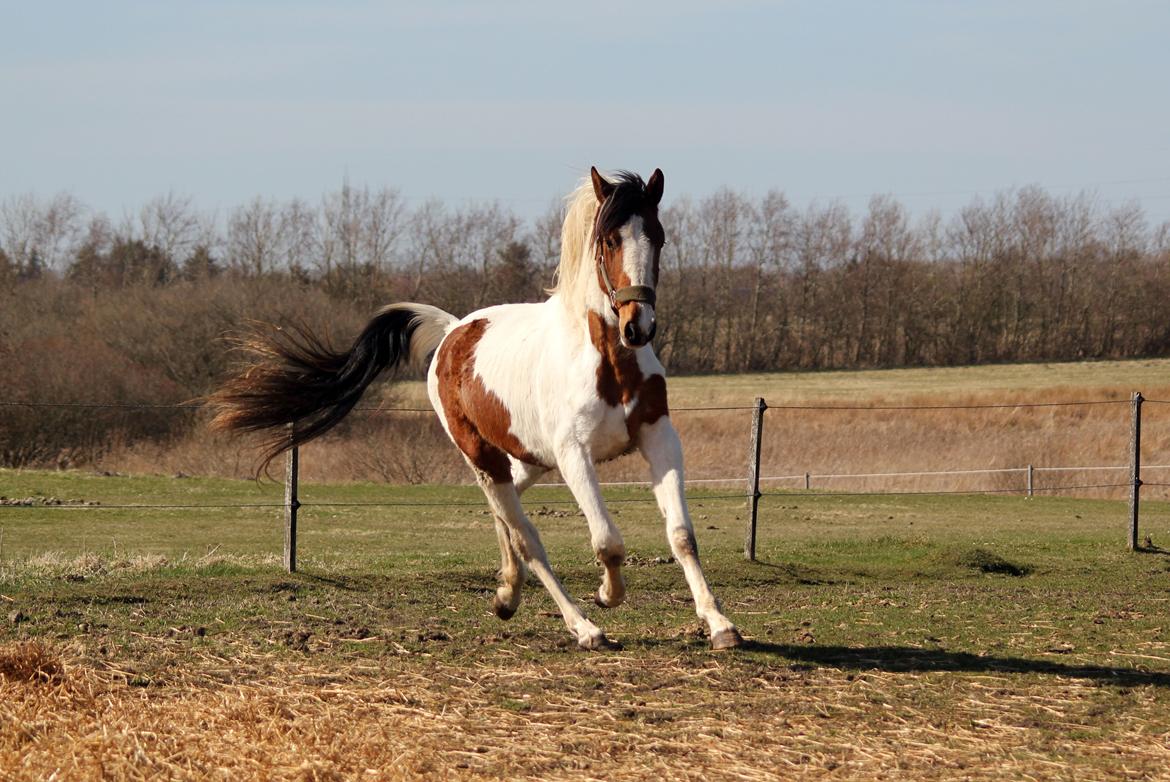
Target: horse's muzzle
point(640, 329)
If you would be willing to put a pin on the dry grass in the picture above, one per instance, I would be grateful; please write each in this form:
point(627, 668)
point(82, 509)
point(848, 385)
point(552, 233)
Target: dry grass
point(610, 717)
point(411, 447)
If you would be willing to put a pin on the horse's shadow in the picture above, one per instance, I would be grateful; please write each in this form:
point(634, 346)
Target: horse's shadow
point(907, 659)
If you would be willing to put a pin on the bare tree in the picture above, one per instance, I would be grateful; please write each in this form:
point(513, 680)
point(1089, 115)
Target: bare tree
point(359, 230)
point(39, 234)
point(298, 225)
point(253, 238)
point(170, 223)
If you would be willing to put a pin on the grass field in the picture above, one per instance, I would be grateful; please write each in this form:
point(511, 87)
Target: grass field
point(890, 638)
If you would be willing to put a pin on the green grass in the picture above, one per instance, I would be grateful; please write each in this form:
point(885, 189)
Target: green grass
point(825, 557)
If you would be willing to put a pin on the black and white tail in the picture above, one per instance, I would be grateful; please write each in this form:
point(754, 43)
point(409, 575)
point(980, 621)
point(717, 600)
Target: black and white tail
point(297, 388)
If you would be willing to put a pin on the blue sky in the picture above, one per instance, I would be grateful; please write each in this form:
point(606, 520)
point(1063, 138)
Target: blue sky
point(930, 101)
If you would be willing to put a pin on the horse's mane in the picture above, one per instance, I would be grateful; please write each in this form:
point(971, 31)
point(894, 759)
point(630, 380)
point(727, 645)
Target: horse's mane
point(575, 271)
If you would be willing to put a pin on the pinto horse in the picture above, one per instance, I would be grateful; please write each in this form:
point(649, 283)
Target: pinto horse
point(521, 389)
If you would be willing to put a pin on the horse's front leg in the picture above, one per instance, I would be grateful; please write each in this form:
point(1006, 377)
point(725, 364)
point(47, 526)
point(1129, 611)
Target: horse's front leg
point(580, 476)
point(662, 449)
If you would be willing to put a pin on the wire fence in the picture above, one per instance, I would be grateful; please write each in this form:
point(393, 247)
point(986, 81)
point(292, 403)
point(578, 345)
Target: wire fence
point(809, 483)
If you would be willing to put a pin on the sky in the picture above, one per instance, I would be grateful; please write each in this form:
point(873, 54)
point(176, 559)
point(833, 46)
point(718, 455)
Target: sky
point(932, 102)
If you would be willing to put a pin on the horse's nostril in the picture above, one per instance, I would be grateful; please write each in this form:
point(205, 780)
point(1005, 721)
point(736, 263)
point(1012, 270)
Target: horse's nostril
point(631, 332)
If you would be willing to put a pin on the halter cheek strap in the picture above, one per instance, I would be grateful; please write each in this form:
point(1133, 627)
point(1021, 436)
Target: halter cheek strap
point(641, 293)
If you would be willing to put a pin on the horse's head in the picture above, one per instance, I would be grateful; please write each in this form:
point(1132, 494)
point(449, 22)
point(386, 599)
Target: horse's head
point(628, 240)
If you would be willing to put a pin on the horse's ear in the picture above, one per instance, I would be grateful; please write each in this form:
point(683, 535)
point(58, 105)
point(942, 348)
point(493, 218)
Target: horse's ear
point(601, 186)
point(654, 186)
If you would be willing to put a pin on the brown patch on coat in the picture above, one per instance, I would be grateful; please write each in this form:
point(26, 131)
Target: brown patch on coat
point(651, 405)
point(479, 423)
point(609, 248)
point(620, 379)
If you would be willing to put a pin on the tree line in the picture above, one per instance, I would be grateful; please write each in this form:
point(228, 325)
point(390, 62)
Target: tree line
point(746, 284)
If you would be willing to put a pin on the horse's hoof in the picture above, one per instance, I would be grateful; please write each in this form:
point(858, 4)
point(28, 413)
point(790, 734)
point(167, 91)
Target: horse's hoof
point(501, 609)
point(598, 643)
point(597, 598)
point(726, 639)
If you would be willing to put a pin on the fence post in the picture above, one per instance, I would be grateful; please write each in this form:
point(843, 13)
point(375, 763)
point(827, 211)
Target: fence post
point(749, 544)
point(1135, 472)
point(1030, 483)
point(807, 481)
point(291, 504)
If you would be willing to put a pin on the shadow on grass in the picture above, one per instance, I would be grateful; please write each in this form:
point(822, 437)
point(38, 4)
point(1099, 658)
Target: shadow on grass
point(905, 659)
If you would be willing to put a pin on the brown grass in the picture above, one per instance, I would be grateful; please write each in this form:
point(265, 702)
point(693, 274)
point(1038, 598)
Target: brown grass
point(389, 447)
point(411, 447)
point(608, 717)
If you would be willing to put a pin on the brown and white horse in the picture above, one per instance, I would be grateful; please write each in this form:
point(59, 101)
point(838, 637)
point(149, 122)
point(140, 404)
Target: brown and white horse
point(521, 389)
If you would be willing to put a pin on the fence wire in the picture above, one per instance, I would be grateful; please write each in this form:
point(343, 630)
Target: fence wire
point(1020, 490)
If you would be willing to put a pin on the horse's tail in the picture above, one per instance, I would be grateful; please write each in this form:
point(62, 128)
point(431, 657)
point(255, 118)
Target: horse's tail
point(297, 388)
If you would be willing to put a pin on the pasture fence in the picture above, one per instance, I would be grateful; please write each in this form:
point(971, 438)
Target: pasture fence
point(807, 483)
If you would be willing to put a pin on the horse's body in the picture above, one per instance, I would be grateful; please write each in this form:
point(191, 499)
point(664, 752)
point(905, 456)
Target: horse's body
point(521, 389)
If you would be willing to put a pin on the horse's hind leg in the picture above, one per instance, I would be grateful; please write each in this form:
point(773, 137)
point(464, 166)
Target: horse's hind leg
point(513, 572)
point(512, 575)
point(504, 500)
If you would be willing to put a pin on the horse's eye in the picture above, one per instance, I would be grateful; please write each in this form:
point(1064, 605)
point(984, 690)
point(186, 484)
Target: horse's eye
point(610, 243)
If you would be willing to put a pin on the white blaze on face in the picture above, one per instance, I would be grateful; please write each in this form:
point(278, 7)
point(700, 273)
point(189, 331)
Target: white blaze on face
point(638, 263)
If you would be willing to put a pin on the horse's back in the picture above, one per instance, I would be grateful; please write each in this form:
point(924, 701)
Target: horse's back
point(488, 376)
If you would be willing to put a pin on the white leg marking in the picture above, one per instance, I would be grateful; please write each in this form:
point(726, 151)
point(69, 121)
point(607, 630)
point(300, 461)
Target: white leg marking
point(581, 477)
point(504, 500)
point(662, 450)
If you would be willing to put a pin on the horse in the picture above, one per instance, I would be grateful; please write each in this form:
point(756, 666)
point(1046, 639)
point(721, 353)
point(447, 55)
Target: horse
point(520, 389)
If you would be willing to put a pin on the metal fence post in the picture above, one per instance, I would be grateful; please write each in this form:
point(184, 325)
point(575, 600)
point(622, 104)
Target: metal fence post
point(1135, 472)
point(291, 504)
point(1031, 484)
point(749, 544)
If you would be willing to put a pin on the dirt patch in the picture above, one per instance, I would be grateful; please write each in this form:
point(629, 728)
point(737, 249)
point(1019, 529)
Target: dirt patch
point(30, 661)
point(985, 561)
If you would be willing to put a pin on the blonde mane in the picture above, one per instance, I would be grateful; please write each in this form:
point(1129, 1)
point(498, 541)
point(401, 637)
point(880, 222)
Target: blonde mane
point(572, 273)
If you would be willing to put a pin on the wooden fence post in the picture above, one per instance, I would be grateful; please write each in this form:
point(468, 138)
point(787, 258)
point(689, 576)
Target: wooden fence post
point(1030, 480)
point(1135, 471)
point(749, 544)
point(291, 504)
